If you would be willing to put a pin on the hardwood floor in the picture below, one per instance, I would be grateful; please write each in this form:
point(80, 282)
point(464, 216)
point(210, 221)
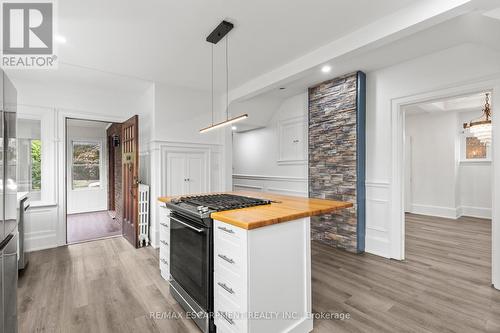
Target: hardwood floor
point(93, 225)
point(443, 286)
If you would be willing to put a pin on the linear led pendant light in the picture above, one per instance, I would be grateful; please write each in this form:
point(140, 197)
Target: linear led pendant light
point(215, 36)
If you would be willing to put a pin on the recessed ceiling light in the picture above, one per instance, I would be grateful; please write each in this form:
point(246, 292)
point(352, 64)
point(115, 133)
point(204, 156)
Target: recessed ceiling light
point(60, 39)
point(234, 128)
point(326, 69)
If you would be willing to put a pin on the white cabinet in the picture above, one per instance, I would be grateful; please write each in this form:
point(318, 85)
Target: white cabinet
point(292, 141)
point(164, 241)
point(262, 271)
point(186, 173)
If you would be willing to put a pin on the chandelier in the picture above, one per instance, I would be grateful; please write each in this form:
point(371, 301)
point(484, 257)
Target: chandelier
point(481, 128)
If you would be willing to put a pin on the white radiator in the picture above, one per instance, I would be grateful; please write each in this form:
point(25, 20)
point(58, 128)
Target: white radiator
point(143, 215)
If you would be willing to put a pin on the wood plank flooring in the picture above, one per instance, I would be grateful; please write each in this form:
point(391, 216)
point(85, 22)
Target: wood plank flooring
point(443, 286)
point(92, 225)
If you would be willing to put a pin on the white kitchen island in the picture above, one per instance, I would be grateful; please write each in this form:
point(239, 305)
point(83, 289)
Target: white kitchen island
point(262, 264)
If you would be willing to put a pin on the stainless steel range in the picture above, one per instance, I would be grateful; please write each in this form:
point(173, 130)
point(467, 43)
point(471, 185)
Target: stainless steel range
point(191, 251)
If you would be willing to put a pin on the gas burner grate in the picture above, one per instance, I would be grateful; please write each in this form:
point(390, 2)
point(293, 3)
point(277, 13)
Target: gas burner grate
point(220, 202)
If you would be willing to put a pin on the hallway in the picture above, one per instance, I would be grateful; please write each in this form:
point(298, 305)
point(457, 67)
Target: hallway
point(89, 226)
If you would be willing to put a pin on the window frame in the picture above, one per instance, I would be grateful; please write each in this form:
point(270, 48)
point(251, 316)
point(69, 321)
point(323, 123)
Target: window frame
point(100, 164)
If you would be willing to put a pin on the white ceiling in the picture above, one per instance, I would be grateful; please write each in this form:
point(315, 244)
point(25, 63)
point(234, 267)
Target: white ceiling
point(474, 102)
point(468, 29)
point(164, 40)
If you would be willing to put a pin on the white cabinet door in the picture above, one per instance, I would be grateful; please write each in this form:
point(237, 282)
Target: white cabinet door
point(196, 173)
point(176, 174)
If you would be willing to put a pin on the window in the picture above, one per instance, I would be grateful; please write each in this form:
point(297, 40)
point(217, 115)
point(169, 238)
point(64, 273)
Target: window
point(85, 166)
point(29, 166)
point(36, 165)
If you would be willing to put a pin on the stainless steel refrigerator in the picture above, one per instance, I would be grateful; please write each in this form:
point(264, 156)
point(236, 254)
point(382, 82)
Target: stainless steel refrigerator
point(8, 206)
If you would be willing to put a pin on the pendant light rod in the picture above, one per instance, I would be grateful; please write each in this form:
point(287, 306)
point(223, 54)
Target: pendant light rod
point(212, 97)
point(227, 83)
point(215, 36)
point(224, 123)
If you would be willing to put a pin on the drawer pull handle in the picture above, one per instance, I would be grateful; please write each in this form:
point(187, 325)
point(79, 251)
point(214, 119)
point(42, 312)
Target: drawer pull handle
point(226, 317)
point(230, 231)
point(164, 242)
point(164, 261)
point(164, 224)
point(223, 257)
point(225, 287)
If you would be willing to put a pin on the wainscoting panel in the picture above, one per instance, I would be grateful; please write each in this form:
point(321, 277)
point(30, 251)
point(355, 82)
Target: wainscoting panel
point(41, 232)
point(377, 217)
point(274, 184)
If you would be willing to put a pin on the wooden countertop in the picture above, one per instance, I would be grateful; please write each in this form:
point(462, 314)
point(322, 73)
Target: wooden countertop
point(285, 208)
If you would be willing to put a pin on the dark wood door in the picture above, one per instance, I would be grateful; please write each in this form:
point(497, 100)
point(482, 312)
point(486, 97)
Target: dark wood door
point(130, 174)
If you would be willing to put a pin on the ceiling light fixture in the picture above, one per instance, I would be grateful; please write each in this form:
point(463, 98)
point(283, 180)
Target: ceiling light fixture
point(215, 36)
point(481, 128)
point(234, 128)
point(326, 69)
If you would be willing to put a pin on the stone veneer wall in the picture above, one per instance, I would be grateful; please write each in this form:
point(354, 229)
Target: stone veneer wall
point(336, 159)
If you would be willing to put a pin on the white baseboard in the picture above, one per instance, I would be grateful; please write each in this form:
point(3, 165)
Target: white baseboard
point(450, 212)
point(42, 240)
point(377, 246)
point(479, 212)
point(446, 212)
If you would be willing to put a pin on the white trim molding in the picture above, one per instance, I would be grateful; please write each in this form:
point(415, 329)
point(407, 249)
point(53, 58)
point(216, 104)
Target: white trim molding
point(266, 177)
point(295, 186)
point(397, 234)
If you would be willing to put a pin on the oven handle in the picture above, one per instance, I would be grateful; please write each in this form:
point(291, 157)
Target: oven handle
point(187, 225)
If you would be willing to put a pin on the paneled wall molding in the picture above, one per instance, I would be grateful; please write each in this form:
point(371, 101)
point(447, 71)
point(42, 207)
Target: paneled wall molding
point(292, 138)
point(295, 186)
point(249, 187)
point(378, 183)
point(270, 177)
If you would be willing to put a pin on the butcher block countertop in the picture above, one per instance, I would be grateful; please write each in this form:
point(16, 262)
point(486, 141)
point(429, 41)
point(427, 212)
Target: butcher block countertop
point(284, 208)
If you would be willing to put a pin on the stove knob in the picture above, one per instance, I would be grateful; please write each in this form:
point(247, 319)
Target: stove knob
point(204, 209)
point(199, 208)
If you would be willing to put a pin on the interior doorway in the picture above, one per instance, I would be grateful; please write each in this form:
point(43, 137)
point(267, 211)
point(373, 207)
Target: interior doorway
point(447, 182)
point(89, 182)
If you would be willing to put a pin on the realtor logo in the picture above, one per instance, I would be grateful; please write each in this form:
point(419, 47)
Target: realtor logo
point(27, 34)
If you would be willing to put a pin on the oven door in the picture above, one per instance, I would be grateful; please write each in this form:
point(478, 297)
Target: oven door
point(190, 252)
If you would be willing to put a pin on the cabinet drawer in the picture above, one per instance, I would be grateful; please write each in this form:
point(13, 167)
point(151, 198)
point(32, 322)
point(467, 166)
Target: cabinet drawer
point(228, 231)
point(164, 250)
point(165, 268)
point(228, 285)
point(229, 254)
point(228, 318)
point(165, 230)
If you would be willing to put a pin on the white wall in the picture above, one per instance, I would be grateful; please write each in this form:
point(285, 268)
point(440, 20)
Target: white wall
point(434, 163)
point(51, 103)
point(442, 184)
point(256, 163)
point(452, 67)
point(84, 200)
